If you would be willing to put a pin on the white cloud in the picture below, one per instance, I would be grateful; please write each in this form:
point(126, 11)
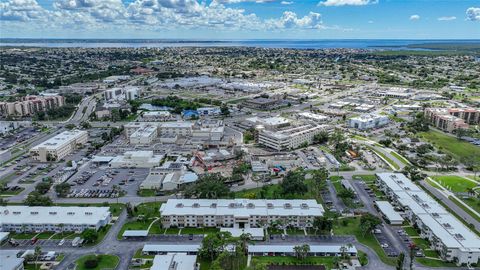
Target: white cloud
point(21, 10)
point(329, 3)
point(286, 2)
point(146, 14)
point(415, 17)
point(473, 14)
point(447, 18)
point(290, 19)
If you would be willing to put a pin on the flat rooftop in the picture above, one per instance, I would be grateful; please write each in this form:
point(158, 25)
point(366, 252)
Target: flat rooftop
point(18, 214)
point(242, 207)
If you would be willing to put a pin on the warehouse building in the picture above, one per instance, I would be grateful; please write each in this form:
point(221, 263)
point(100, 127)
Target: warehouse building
point(52, 218)
point(60, 146)
point(136, 159)
point(238, 213)
point(9, 260)
point(451, 238)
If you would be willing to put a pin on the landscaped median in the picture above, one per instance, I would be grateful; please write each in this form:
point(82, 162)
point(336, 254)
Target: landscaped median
point(385, 158)
point(97, 262)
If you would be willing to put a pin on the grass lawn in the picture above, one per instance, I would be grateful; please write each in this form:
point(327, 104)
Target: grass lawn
point(172, 231)
point(454, 183)
point(387, 159)
point(138, 254)
point(12, 193)
point(105, 261)
point(434, 263)
point(291, 231)
point(400, 158)
point(274, 231)
point(133, 225)
point(146, 193)
point(22, 235)
point(148, 209)
point(199, 230)
point(431, 253)
point(287, 260)
point(204, 265)
point(421, 243)
point(156, 228)
point(474, 206)
point(62, 235)
point(411, 231)
point(366, 178)
point(45, 235)
point(353, 228)
point(457, 148)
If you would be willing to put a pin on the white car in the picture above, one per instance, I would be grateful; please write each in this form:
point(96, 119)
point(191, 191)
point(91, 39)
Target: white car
point(61, 242)
point(384, 245)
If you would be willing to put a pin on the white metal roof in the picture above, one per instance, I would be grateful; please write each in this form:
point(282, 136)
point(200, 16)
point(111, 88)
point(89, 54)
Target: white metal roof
point(177, 261)
point(236, 232)
point(241, 207)
point(289, 248)
point(387, 209)
point(170, 248)
point(135, 233)
point(18, 214)
point(446, 227)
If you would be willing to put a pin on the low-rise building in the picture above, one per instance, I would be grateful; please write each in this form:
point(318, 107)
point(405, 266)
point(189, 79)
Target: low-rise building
point(175, 261)
point(60, 146)
point(262, 103)
point(389, 213)
point(288, 250)
point(454, 241)
point(9, 260)
point(144, 135)
point(18, 218)
point(368, 121)
point(136, 159)
point(239, 213)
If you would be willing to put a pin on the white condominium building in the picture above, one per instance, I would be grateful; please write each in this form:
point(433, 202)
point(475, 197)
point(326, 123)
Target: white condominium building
point(451, 238)
point(239, 213)
point(368, 121)
point(58, 147)
point(52, 218)
point(289, 138)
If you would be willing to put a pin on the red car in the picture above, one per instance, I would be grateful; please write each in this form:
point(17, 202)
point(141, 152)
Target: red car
point(34, 240)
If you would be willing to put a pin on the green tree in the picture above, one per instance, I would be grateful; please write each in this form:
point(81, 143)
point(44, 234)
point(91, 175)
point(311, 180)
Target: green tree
point(213, 245)
point(321, 137)
point(90, 235)
point(400, 261)
point(301, 251)
point(62, 189)
point(37, 253)
point(368, 222)
point(43, 187)
point(293, 183)
point(322, 224)
point(209, 186)
point(36, 199)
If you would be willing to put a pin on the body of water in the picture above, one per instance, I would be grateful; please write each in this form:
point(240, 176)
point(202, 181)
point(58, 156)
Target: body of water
point(158, 43)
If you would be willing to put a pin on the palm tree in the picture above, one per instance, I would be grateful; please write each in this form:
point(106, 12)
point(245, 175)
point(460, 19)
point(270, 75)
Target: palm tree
point(37, 253)
point(245, 241)
point(301, 251)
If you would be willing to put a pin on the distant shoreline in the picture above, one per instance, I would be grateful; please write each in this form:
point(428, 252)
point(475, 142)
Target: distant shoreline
point(369, 44)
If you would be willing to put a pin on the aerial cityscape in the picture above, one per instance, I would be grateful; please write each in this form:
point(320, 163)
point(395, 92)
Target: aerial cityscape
point(239, 135)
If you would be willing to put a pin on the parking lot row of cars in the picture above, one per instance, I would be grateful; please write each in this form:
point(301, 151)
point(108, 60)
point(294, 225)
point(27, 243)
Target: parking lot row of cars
point(93, 193)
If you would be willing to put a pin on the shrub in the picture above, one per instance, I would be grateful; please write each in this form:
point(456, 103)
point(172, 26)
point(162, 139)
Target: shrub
point(91, 263)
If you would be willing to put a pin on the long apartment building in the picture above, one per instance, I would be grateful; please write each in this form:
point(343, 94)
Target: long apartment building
point(30, 105)
point(289, 138)
point(451, 238)
point(18, 218)
point(238, 213)
point(60, 146)
point(452, 119)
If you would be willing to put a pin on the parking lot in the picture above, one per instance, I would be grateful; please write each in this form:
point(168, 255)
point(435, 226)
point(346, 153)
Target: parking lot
point(98, 182)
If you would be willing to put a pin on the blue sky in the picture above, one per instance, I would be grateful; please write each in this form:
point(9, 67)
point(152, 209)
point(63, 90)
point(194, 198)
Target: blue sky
point(241, 19)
